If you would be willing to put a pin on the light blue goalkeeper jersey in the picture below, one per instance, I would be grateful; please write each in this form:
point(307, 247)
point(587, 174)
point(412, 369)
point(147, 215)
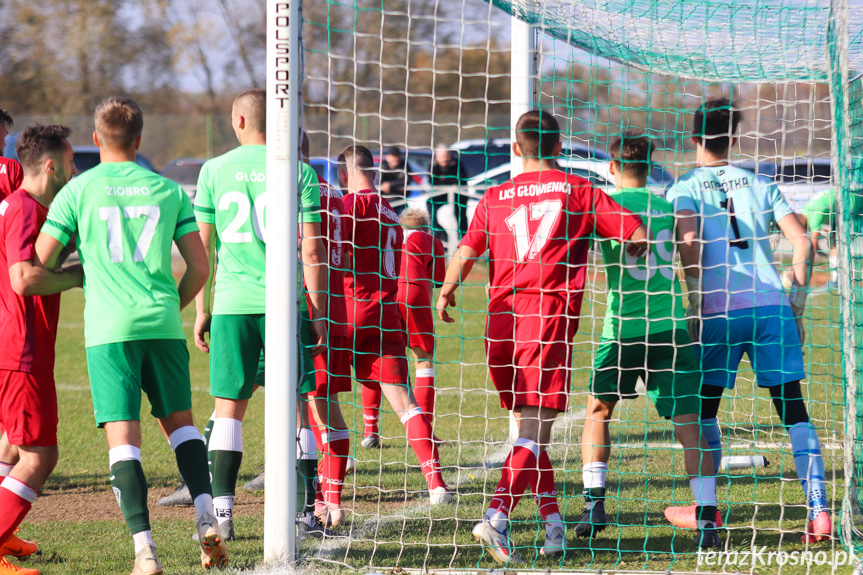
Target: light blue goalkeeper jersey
point(735, 209)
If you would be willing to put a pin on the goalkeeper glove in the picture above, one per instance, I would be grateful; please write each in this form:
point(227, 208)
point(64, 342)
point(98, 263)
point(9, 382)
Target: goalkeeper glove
point(693, 312)
point(797, 298)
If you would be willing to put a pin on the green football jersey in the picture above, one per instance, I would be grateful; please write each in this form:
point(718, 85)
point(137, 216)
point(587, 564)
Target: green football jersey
point(232, 195)
point(821, 211)
point(125, 219)
point(644, 297)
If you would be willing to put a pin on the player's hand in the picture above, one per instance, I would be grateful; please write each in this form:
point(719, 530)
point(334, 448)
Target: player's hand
point(77, 272)
point(801, 330)
point(202, 326)
point(639, 242)
point(797, 299)
point(444, 301)
point(319, 332)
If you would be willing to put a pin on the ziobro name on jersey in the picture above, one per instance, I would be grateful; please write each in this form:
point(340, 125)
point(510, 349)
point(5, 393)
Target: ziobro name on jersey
point(130, 191)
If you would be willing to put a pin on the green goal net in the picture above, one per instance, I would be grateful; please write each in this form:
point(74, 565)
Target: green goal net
point(429, 81)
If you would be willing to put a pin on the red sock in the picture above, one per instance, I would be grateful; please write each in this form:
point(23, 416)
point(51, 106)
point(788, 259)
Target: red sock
point(336, 451)
point(16, 498)
point(419, 434)
point(424, 392)
point(544, 490)
point(371, 396)
point(319, 498)
point(519, 470)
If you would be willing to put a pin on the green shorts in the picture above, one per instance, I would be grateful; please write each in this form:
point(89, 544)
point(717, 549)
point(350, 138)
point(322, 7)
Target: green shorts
point(236, 350)
point(237, 345)
point(119, 372)
point(667, 365)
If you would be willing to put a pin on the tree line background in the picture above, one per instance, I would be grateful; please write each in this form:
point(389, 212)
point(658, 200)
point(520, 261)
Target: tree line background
point(415, 73)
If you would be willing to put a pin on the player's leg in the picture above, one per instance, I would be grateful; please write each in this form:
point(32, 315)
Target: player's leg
point(236, 344)
point(777, 359)
point(595, 452)
point(34, 437)
point(166, 381)
point(420, 437)
point(8, 454)
point(423, 383)
point(808, 462)
point(370, 393)
point(335, 445)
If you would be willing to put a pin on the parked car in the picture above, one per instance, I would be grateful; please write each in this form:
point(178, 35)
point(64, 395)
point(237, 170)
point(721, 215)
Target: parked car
point(482, 156)
point(86, 157)
point(185, 172)
point(802, 178)
point(325, 168)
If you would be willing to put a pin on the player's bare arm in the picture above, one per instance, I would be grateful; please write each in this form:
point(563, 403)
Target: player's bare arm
point(795, 233)
point(29, 278)
point(638, 243)
point(314, 258)
point(689, 246)
point(197, 267)
point(204, 299)
point(48, 251)
point(459, 268)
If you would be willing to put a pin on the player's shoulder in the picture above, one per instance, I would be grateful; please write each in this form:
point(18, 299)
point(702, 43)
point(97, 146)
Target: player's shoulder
point(13, 202)
point(9, 165)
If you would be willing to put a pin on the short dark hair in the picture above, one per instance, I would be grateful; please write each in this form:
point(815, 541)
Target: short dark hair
point(255, 101)
point(632, 151)
point(119, 121)
point(358, 157)
point(537, 133)
point(714, 123)
point(6, 118)
point(37, 142)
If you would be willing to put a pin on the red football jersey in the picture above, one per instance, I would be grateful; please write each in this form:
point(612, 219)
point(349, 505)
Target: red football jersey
point(423, 263)
point(537, 229)
point(373, 242)
point(28, 325)
point(332, 226)
point(11, 176)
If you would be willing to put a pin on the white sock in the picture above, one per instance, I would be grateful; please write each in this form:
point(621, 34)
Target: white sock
point(498, 519)
point(306, 448)
point(143, 539)
point(19, 488)
point(227, 435)
point(5, 469)
point(553, 521)
point(593, 475)
point(224, 507)
point(204, 505)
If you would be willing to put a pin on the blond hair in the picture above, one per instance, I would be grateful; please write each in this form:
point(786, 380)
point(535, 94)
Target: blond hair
point(416, 218)
point(119, 121)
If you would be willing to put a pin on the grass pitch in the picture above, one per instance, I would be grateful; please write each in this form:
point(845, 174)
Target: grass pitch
point(80, 529)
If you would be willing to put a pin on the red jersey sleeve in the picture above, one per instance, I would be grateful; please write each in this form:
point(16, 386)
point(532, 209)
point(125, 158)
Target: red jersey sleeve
point(611, 220)
point(438, 263)
point(22, 227)
point(477, 234)
point(16, 175)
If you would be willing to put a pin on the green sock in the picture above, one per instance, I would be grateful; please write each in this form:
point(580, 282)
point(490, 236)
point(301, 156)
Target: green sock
point(224, 469)
point(307, 473)
point(594, 494)
point(208, 429)
point(130, 489)
point(192, 462)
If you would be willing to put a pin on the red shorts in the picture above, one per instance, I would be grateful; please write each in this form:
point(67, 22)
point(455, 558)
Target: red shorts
point(418, 320)
point(529, 348)
point(333, 368)
point(378, 355)
point(28, 408)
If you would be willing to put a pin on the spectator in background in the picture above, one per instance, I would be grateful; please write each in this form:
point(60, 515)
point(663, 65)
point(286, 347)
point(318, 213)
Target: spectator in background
point(394, 177)
point(11, 174)
point(447, 172)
